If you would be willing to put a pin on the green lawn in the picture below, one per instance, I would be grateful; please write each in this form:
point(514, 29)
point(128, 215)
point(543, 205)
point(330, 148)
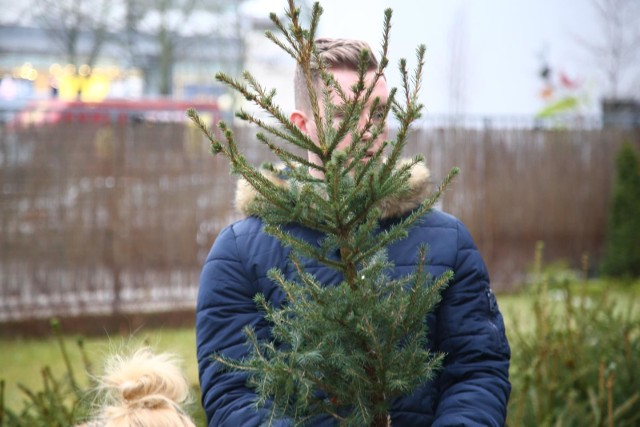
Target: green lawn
point(21, 360)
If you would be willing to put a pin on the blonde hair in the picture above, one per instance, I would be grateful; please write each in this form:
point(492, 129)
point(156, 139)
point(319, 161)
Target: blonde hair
point(143, 390)
point(335, 53)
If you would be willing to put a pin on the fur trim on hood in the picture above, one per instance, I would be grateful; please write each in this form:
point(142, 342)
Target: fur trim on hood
point(419, 190)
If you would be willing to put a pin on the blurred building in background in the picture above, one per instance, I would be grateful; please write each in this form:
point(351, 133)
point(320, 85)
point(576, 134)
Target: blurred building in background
point(30, 70)
point(621, 113)
point(32, 66)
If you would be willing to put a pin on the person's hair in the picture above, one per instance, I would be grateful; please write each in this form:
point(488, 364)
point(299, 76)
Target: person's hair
point(143, 389)
point(336, 54)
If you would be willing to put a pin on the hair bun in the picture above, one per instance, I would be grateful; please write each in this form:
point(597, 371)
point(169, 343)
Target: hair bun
point(145, 389)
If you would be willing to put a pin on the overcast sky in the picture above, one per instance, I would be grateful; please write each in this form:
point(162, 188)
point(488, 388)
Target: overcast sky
point(499, 45)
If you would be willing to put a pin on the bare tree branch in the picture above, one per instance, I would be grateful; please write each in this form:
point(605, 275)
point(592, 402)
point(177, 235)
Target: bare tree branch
point(167, 22)
point(615, 53)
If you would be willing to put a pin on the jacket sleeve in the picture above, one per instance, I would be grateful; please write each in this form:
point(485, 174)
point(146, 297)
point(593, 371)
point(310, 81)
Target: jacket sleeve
point(474, 383)
point(225, 306)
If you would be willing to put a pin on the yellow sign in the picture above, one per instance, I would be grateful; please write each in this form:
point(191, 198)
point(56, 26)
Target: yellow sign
point(93, 88)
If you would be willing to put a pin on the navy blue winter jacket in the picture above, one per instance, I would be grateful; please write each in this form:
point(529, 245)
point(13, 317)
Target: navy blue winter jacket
point(472, 388)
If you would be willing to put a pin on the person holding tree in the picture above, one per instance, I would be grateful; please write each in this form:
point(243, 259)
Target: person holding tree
point(471, 387)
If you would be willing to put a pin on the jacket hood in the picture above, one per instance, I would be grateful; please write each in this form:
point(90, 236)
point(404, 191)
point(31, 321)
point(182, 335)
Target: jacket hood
point(393, 206)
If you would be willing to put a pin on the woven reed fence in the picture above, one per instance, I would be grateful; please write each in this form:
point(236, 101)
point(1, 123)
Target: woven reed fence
point(112, 218)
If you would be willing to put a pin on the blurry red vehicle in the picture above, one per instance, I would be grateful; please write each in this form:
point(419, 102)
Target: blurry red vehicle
point(112, 111)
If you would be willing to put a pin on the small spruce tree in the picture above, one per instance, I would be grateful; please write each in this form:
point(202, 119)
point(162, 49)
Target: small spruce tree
point(622, 250)
point(345, 350)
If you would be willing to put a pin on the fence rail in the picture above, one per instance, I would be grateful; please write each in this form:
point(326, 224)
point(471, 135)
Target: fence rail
point(118, 217)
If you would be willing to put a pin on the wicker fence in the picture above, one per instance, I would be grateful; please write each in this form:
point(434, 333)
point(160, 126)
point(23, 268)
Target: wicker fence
point(100, 218)
point(518, 187)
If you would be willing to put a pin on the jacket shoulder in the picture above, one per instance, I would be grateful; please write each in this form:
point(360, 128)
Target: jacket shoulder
point(438, 218)
point(250, 225)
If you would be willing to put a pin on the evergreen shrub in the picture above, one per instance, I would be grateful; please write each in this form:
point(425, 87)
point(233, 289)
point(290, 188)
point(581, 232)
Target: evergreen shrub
point(622, 251)
point(577, 363)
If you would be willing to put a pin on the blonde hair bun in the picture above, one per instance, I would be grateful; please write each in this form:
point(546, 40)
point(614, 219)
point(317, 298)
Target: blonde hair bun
point(143, 389)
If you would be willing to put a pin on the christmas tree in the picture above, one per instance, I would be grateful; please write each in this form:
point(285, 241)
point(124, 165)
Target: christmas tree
point(622, 250)
point(345, 350)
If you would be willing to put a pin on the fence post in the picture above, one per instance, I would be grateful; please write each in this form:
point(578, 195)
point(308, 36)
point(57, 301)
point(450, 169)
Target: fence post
point(112, 172)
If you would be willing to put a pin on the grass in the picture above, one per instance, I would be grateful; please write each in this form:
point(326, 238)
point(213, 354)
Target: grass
point(21, 360)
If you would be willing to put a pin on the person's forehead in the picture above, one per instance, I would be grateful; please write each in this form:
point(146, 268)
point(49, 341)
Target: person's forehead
point(347, 78)
point(350, 72)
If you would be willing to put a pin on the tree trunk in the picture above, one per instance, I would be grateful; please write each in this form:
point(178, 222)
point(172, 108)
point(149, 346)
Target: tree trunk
point(381, 420)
